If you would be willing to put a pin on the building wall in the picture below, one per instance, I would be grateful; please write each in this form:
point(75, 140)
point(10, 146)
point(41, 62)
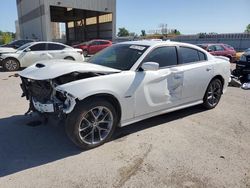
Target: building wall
point(31, 16)
point(240, 41)
point(238, 44)
point(34, 15)
point(95, 5)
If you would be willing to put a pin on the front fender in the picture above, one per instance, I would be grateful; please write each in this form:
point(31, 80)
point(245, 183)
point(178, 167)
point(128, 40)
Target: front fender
point(117, 85)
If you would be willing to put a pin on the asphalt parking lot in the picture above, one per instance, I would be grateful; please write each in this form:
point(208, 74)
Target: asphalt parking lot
point(188, 148)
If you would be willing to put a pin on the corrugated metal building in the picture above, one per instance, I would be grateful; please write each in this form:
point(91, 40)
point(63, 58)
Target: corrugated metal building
point(79, 20)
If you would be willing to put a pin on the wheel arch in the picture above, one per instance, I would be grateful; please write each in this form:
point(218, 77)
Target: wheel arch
point(220, 78)
point(216, 77)
point(11, 58)
point(109, 97)
point(14, 59)
point(70, 58)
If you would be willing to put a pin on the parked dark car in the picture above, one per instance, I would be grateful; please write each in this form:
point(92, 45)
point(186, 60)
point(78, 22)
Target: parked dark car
point(93, 46)
point(220, 50)
point(17, 43)
point(243, 67)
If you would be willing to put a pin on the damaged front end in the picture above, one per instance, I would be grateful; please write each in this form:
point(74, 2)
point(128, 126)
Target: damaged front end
point(41, 83)
point(46, 98)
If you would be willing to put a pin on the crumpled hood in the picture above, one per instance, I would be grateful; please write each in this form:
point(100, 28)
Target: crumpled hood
point(7, 50)
point(51, 69)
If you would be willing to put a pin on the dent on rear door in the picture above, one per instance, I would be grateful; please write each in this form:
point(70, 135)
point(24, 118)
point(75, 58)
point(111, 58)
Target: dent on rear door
point(196, 79)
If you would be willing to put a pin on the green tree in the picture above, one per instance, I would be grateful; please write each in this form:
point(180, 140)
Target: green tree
point(177, 32)
point(123, 32)
point(248, 28)
point(174, 32)
point(143, 33)
point(7, 38)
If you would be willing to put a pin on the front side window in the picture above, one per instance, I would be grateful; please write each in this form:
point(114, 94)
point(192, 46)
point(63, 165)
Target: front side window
point(211, 48)
point(38, 47)
point(119, 56)
point(219, 48)
point(24, 46)
point(190, 55)
point(165, 56)
point(94, 43)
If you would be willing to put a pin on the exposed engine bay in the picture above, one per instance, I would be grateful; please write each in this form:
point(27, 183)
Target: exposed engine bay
point(44, 96)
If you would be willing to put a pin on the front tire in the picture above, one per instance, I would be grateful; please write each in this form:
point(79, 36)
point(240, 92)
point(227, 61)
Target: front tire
point(92, 123)
point(11, 65)
point(213, 94)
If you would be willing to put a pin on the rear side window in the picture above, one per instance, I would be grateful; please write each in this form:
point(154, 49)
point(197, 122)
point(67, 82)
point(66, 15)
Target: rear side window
point(104, 42)
point(95, 43)
point(38, 47)
point(55, 46)
point(190, 55)
point(165, 56)
point(202, 56)
point(230, 47)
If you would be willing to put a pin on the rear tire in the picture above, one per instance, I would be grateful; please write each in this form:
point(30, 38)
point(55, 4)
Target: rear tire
point(91, 123)
point(11, 64)
point(213, 94)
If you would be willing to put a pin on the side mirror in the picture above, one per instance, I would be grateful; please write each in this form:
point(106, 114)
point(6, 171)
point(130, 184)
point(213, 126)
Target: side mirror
point(209, 50)
point(150, 66)
point(27, 50)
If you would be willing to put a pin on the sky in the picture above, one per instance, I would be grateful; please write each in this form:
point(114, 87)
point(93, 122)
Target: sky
point(188, 16)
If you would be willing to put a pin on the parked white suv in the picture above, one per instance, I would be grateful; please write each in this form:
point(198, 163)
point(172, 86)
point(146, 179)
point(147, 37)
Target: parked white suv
point(123, 84)
point(30, 53)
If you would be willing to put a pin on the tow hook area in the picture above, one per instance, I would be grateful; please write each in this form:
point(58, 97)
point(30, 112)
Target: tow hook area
point(69, 102)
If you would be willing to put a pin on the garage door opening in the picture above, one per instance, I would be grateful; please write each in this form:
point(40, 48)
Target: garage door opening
point(82, 25)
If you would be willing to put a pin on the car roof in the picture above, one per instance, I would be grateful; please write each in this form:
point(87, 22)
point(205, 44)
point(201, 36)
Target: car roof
point(48, 42)
point(209, 44)
point(151, 43)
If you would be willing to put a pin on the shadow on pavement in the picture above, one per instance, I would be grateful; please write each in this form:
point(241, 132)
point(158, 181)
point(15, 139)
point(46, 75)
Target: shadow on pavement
point(155, 121)
point(23, 147)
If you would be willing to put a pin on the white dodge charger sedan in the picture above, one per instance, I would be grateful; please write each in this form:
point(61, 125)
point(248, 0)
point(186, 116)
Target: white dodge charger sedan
point(30, 53)
point(123, 84)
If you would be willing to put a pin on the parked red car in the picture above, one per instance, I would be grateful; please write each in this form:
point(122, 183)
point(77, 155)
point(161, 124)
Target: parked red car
point(220, 50)
point(93, 46)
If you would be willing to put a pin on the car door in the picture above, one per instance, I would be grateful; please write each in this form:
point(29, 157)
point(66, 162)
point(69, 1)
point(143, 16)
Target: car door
point(220, 50)
point(197, 73)
point(104, 44)
point(34, 53)
point(94, 47)
point(160, 89)
point(211, 49)
point(56, 51)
